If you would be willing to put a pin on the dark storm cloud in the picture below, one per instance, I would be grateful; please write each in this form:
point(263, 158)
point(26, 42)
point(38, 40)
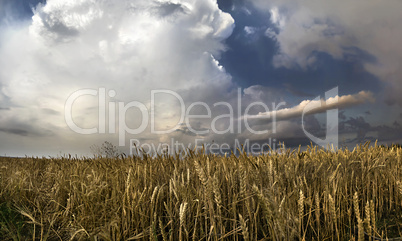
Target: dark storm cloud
point(312, 125)
point(342, 115)
point(354, 130)
point(389, 134)
point(359, 125)
point(364, 131)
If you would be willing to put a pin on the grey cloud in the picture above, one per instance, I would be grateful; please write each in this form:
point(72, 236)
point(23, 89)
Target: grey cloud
point(19, 132)
point(312, 125)
point(389, 134)
point(52, 27)
point(168, 8)
point(62, 31)
point(342, 115)
point(50, 111)
point(355, 130)
point(16, 127)
point(62, 22)
point(361, 126)
point(354, 54)
point(195, 126)
point(358, 122)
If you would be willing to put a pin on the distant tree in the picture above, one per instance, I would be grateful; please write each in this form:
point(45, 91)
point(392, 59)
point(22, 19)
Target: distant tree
point(107, 149)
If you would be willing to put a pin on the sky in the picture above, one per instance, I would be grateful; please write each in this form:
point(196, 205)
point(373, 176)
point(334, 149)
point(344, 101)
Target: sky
point(183, 73)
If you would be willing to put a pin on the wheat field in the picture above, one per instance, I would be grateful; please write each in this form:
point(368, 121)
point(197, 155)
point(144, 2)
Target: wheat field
point(287, 195)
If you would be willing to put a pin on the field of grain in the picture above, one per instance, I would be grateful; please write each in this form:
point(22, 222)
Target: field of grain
point(291, 195)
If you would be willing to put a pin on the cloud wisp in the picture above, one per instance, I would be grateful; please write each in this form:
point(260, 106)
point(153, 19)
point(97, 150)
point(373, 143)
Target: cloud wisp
point(338, 102)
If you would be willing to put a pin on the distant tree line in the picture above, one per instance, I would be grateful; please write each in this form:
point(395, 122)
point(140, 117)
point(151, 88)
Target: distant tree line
point(391, 146)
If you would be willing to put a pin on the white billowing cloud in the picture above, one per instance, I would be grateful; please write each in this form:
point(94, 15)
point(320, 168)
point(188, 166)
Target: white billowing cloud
point(337, 28)
point(131, 47)
point(276, 17)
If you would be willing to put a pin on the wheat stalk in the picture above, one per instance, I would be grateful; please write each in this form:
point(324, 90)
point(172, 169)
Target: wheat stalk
point(301, 211)
point(182, 216)
point(317, 210)
point(162, 228)
point(217, 193)
point(332, 208)
point(201, 174)
point(153, 197)
point(356, 205)
point(368, 217)
point(182, 213)
point(360, 228)
point(333, 213)
point(244, 228)
point(372, 215)
point(263, 202)
point(360, 225)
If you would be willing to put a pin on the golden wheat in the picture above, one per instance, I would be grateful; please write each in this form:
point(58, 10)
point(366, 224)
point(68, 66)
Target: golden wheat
point(287, 195)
